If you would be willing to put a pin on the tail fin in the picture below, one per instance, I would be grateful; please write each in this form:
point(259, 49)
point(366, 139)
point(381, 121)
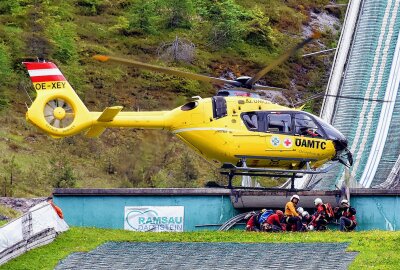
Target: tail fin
point(57, 109)
point(45, 76)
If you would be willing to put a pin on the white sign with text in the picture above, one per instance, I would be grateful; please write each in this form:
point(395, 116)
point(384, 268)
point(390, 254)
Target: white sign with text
point(154, 218)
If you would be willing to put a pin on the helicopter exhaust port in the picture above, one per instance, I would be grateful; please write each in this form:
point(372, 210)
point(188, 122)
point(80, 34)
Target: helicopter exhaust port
point(189, 106)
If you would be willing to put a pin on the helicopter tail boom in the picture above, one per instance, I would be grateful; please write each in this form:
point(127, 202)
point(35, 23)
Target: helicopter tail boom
point(108, 115)
point(58, 110)
point(112, 117)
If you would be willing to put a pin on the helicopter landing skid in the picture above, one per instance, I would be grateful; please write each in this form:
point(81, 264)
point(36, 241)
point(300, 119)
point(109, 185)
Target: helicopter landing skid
point(232, 173)
point(231, 170)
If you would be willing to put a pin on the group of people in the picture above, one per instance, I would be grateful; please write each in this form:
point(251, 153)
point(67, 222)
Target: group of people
point(297, 219)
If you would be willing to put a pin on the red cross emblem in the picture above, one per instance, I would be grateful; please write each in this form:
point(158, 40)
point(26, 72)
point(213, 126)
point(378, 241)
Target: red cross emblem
point(287, 142)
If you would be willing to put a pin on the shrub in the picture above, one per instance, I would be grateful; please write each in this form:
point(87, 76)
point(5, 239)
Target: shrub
point(142, 17)
point(226, 18)
point(5, 62)
point(177, 13)
point(259, 31)
point(61, 173)
point(63, 38)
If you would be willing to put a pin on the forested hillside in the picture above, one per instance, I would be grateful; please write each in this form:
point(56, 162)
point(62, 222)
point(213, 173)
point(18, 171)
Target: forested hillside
point(225, 38)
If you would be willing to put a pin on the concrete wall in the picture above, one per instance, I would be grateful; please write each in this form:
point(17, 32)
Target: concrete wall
point(107, 210)
point(376, 209)
point(377, 212)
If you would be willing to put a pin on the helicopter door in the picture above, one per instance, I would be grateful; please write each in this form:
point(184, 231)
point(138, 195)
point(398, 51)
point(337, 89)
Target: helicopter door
point(279, 123)
point(219, 107)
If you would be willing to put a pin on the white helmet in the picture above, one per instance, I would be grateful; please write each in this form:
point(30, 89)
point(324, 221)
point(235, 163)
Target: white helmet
point(300, 210)
point(305, 213)
point(295, 196)
point(310, 227)
point(344, 201)
point(317, 201)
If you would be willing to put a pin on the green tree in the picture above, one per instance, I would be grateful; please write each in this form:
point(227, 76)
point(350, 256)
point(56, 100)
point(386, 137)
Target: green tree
point(259, 32)
point(178, 13)
point(5, 72)
point(11, 170)
point(61, 173)
point(226, 18)
point(142, 17)
point(63, 36)
point(188, 170)
point(11, 7)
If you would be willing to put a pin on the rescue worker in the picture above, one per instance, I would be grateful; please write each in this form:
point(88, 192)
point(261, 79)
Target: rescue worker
point(253, 224)
point(292, 218)
point(320, 221)
point(274, 222)
point(307, 220)
point(300, 210)
point(347, 216)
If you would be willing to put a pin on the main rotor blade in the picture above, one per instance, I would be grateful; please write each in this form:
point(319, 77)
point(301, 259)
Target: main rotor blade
point(318, 95)
point(281, 59)
point(170, 71)
point(269, 88)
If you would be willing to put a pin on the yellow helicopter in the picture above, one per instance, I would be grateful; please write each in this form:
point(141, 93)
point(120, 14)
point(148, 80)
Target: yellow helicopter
point(236, 128)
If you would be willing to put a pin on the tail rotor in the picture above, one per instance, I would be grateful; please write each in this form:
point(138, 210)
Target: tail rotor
point(59, 113)
point(56, 106)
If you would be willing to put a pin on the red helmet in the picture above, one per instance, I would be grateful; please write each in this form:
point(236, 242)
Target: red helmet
point(279, 213)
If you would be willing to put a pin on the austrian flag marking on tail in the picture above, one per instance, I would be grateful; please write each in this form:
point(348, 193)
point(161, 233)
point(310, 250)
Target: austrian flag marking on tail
point(45, 76)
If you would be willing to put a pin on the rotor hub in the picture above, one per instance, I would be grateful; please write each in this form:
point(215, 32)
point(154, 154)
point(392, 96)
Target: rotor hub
point(59, 113)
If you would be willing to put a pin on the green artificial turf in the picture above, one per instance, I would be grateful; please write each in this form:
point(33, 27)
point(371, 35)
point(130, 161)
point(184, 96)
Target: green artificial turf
point(377, 249)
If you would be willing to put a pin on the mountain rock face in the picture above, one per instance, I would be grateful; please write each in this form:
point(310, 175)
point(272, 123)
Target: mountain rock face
point(20, 204)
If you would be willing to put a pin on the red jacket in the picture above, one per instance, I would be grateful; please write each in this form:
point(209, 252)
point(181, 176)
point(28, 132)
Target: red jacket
point(251, 222)
point(348, 212)
point(320, 212)
point(274, 220)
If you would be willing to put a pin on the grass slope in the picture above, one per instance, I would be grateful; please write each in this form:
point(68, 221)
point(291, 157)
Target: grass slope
point(9, 213)
point(377, 249)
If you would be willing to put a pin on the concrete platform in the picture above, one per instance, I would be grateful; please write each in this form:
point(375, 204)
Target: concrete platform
point(131, 255)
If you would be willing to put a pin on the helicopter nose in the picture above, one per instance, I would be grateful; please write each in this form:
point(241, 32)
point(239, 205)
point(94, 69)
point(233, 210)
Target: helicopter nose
point(340, 144)
point(350, 158)
point(342, 153)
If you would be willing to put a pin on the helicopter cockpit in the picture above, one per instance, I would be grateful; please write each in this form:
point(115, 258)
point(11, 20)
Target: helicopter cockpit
point(298, 123)
point(291, 123)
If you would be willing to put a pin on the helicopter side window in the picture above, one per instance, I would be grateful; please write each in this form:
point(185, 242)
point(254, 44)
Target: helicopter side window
point(251, 121)
point(279, 123)
point(219, 107)
point(305, 126)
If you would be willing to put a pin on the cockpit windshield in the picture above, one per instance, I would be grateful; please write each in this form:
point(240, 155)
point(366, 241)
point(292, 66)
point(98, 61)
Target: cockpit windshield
point(306, 126)
point(331, 132)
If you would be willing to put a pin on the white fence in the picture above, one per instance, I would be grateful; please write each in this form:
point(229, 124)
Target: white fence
point(35, 228)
